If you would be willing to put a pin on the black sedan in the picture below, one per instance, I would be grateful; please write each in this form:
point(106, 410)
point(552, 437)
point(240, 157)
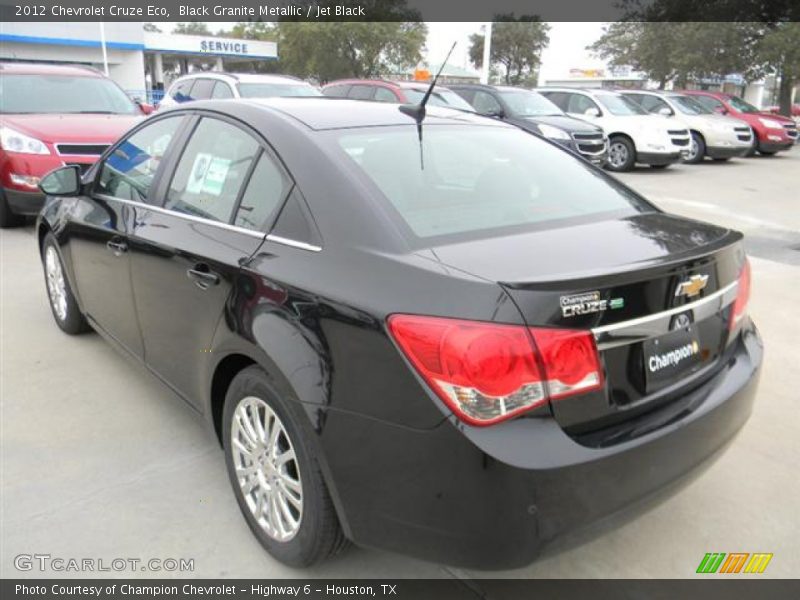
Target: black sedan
point(459, 342)
point(533, 112)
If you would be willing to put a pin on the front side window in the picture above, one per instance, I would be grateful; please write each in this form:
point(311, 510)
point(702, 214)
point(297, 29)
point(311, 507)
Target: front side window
point(361, 92)
point(337, 91)
point(710, 103)
point(181, 91)
point(741, 105)
point(690, 106)
point(212, 171)
point(485, 104)
point(529, 104)
point(578, 104)
point(129, 171)
point(54, 94)
point(479, 179)
point(383, 94)
point(620, 106)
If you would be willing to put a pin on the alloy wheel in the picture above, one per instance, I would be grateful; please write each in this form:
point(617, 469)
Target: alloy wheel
point(617, 154)
point(56, 286)
point(267, 468)
point(694, 148)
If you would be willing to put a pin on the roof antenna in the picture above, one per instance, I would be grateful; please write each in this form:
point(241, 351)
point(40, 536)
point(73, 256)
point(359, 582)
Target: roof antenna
point(417, 111)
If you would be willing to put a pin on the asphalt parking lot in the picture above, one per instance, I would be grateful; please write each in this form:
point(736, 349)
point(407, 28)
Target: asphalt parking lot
point(100, 460)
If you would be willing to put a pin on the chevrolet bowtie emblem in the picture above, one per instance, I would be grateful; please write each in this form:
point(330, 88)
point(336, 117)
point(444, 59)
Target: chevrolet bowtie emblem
point(692, 286)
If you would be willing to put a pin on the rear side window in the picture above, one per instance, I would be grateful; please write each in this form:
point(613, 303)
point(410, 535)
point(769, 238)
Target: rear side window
point(480, 179)
point(202, 88)
point(129, 171)
point(337, 91)
point(212, 171)
point(221, 91)
point(361, 92)
point(266, 189)
point(383, 94)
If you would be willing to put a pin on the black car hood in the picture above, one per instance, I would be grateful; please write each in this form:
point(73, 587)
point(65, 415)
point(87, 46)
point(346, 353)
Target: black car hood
point(564, 122)
point(591, 249)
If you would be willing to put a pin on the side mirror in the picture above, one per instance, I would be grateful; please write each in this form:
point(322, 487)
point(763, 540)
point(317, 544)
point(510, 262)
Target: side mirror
point(497, 113)
point(146, 108)
point(592, 112)
point(64, 181)
point(665, 111)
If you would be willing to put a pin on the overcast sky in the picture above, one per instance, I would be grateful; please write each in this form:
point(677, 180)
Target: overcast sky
point(567, 49)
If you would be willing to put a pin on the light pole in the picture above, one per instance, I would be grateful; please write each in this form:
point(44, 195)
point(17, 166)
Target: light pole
point(487, 52)
point(103, 46)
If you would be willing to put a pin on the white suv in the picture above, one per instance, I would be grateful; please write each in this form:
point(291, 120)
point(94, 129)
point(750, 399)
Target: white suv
point(714, 135)
point(213, 84)
point(634, 135)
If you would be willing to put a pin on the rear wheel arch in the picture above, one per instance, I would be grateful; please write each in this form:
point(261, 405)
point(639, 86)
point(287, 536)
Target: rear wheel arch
point(228, 368)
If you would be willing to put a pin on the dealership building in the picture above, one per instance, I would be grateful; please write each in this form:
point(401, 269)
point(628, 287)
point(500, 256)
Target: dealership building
point(141, 62)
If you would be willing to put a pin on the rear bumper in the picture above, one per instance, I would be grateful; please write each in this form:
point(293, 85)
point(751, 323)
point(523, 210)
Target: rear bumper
point(658, 158)
point(24, 203)
point(497, 497)
point(726, 151)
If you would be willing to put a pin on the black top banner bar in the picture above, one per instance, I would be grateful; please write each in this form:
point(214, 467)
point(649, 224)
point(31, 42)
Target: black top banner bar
point(398, 10)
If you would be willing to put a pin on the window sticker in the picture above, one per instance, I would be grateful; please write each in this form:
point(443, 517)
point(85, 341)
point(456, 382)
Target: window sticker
point(208, 174)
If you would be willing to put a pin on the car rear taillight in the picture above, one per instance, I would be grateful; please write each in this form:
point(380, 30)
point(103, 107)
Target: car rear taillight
point(742, 296)
point(488, 373)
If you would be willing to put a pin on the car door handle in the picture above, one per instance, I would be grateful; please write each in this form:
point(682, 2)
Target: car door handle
point(118, 248)
point(202, 276)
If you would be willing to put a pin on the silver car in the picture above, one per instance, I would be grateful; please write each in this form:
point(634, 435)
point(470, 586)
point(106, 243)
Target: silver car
point(714, 135)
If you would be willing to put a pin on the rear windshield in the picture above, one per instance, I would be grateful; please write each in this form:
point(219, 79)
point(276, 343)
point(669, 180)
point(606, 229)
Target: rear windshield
point(272, 90)
point(481, 179)
point(20, 94)
point(620, 106)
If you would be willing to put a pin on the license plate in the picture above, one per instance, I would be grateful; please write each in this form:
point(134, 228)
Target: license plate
point(669, 357)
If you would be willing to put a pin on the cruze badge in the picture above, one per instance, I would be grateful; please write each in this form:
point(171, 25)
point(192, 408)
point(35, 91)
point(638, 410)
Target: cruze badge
point(692, 286)
point(587, 303)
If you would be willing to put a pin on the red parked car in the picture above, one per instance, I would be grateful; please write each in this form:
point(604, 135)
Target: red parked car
point(398, 92)
point(773, 133)
point(51, 116)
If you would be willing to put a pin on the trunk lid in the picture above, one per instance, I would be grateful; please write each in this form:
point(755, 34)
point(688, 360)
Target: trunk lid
point(650, 286)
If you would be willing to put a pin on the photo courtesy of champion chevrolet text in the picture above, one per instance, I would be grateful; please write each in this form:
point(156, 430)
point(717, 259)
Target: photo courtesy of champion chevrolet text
point(399, 299)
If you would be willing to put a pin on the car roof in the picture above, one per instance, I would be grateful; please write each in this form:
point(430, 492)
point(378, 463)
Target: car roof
point(322, 113)
point(243, 77)
point(361, 82)
point(23, 68)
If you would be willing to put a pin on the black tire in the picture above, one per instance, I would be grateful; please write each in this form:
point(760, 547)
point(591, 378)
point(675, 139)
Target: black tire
point(721, 159)
point(701, 149)
point(753, 147)
point(7, 217)
point(72, 321)
point(767, 152)
point(319, 535)
point(625, 163)
point(658, 166)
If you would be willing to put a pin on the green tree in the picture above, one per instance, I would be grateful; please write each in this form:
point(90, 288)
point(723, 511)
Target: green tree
point(778, 53)
point(192, 28)
point(327, 51)
point(517, 44)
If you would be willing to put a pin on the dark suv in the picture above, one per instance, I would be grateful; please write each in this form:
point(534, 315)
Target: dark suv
point(534, 113)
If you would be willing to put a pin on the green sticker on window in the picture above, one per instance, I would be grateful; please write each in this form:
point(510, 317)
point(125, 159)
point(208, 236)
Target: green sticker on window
point(208, 174)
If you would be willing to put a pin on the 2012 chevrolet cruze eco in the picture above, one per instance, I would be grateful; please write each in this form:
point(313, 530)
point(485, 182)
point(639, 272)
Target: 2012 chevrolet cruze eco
point(458, 348)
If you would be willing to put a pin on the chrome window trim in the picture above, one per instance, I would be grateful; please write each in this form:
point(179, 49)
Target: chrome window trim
point(641, 328)
point(167, 211)
point(293, 243)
